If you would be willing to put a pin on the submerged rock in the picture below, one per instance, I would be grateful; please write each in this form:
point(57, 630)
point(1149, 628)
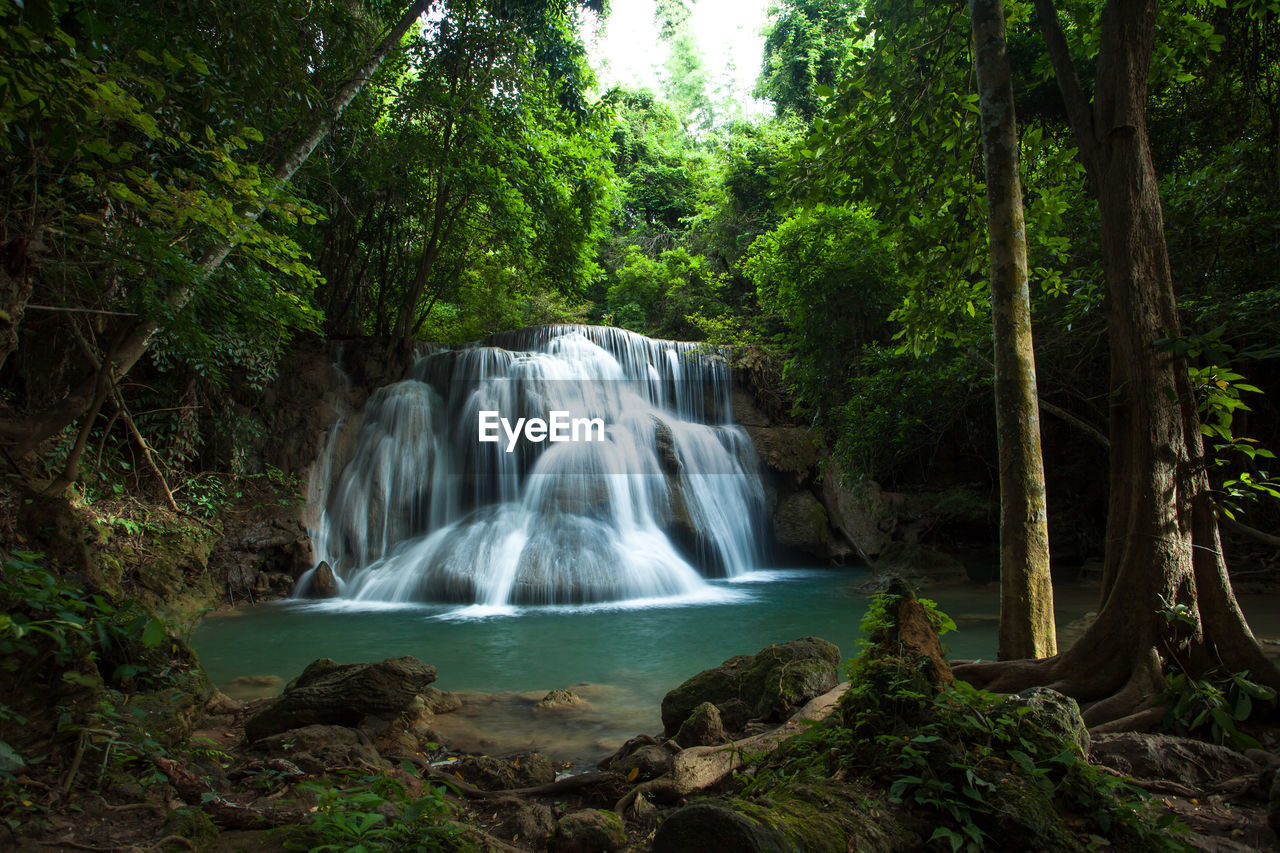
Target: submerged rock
point(772, 683)
point(328, 693)
point(560, 699)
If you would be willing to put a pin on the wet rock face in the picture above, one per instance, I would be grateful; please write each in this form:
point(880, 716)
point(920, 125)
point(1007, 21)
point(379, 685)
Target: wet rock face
point(772, 683)
point(323, 583)
point(328, 693)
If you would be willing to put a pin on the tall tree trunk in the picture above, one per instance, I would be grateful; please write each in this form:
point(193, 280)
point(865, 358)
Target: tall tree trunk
point(1162, 536)
point(23, 437)
point(1026, 592)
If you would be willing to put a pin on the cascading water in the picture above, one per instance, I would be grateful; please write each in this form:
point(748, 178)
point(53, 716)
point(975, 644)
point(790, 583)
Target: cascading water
point(426, 511)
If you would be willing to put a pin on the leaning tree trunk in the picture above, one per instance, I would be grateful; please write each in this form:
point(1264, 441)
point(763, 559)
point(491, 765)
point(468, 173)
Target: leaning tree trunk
point(1162, 539)
point(23, 437)
point(1026, 591)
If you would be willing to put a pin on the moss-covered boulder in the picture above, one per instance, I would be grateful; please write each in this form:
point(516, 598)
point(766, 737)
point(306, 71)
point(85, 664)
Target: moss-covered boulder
point(702, 727)
point(819, 816)
point(192, 825)
point(1051, 723)
point(329, 693)
point(588, 831)
point(772, 683)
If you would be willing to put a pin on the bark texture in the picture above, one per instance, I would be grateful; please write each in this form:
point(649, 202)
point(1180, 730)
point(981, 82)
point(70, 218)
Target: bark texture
point(1162, 534)
point(1026, 591)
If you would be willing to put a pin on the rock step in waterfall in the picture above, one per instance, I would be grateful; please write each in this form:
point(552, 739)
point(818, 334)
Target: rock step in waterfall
point(625, 479)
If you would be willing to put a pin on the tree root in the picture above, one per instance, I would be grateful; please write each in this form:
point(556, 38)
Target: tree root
point(702, 767)
point(196, 792)
point(1119, 690)
point(569, 783)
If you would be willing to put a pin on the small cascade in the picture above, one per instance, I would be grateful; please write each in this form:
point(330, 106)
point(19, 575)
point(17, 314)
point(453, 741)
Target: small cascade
point(638, 485)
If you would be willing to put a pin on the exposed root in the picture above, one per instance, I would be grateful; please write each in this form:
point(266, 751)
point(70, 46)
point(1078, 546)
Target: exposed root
point(1107, 692)
point(173, 839)
point(232, 815)
point(569, 783)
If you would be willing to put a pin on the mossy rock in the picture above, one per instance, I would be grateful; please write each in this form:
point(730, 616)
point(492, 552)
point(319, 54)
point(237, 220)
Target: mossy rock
point(772, 683)
point(703, 727)
point(819, 816)
point(1021, 816)
point(1050, 724)
point(193, 825)
point(588, 831)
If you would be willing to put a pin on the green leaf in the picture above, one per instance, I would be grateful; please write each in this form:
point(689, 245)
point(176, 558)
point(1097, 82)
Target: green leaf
point(153, 634)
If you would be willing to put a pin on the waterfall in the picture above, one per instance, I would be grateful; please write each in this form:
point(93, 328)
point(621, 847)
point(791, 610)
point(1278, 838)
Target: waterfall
point(637, 486)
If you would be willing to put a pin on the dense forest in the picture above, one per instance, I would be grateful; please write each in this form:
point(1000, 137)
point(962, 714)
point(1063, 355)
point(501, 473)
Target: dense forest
point(192, 194)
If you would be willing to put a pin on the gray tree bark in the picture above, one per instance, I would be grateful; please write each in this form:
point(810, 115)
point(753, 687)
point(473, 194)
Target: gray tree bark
point(1026, 592)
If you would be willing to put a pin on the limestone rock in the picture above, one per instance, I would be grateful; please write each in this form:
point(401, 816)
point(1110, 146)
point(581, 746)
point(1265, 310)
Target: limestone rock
point(801, 522)
point(819, 816)
point(324, 584)
point(702, 727)
point(505, 774)
point(860, 513)
point(560, 699)
point(317, 749)
point(439, 701)
point(771, 683)
point(588, 831)
point(1178, 759)
point(918, 563)
point(328, 693)
point(647, 756)
point(707, 826)
point(786, 449)
point(523, 822)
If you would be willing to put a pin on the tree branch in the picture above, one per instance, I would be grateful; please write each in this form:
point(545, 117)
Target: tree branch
point(1078, 112)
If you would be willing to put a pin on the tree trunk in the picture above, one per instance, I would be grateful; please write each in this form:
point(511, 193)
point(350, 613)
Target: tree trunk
point(1026, 593)
point(23, 437)
point(1162, 536)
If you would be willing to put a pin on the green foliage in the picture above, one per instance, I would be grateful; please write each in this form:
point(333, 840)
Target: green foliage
point(351, 819)
point(804, 44)
point(48, 622)
point(667, 297)
point(827, 279)
point(974, 765)
point(1216, 702)
point(1219, 402)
